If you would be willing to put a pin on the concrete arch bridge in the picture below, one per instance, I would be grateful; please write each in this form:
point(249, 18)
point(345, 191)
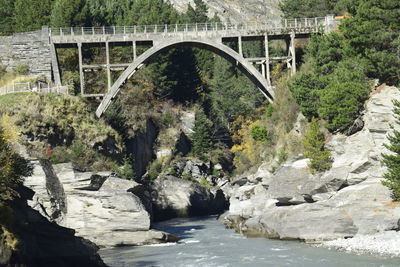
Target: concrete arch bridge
point(161, 37)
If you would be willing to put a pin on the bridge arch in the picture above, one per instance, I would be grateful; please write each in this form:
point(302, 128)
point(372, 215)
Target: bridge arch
point(216, 46)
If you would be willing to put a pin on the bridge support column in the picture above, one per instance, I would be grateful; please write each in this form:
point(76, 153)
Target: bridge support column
point(240, 46)
point(292, 53)
point(82, 78)
point(268, 73)
point(54, 65)
point(108, 66)
point(134, 50)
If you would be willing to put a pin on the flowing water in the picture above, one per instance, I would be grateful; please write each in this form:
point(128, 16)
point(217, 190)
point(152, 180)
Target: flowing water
point(205, 242)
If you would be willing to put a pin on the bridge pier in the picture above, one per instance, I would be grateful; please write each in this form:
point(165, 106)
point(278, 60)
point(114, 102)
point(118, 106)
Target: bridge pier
point(82, 78)
point(108, 66)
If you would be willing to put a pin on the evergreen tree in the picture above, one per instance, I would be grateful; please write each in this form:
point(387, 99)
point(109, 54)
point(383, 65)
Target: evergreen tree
point(373, 34)
point(32, 14)
point(6, 17)
point(392, 160)
point(307, 8)
point(198, 14)
point(69, 13)
point(201, 138)
point(314, 144)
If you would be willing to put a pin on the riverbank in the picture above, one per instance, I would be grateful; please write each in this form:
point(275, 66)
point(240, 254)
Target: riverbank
point(383, 244)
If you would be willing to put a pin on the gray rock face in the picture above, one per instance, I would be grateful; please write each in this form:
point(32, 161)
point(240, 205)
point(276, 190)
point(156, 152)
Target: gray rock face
point(175, 197)
point(105, 212)
point(236, 11)
point(141, 146)
point(347, 200)
point(30, 48)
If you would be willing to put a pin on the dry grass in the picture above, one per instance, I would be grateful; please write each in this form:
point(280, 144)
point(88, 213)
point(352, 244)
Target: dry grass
point(10, 78)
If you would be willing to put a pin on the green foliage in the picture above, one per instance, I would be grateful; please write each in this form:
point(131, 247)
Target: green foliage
point(198, 14)
point(231, 96)
point(324, 52)
point(314, 144)
point(6, 17)
point(392, 160)
point(305, 88)
point(31, 14)
point(201, 137)
point(373, 34)
point(307, 8)
point(341, 103)
point(22, 69)
point(69, 13)
point(260, 133)
point(127, 171)
point(154, 169)
point(12, 169)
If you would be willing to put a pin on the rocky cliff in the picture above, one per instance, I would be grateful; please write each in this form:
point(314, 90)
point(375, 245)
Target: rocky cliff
point(40, 242)
point(346, 201)
point(237, 11)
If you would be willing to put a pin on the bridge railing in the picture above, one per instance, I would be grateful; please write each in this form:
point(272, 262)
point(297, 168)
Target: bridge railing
point(288, 24)
point(29, 87)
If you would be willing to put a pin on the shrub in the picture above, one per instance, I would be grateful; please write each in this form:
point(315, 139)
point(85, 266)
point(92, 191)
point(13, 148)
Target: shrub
point(127, 171)
point(391, 161)
point(314, 144)
point(12, 168)
point(22, 69)
point(154, 170)
point(260, 133)
point(340, 104)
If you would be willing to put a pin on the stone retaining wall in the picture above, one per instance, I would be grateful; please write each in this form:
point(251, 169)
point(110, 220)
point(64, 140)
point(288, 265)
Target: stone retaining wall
point(30, 48)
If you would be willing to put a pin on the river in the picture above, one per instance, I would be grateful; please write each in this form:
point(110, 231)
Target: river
point(205, 242)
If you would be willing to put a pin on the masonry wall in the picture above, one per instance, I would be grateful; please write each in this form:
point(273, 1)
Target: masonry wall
point(30, 48)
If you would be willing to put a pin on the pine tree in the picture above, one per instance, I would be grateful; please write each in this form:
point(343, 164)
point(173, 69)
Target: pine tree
point(392, 161)
point(69, 13)
point(314, 144)
point(201, 138)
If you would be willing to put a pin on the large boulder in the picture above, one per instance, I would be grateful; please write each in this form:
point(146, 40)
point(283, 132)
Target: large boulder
point(99, 207)
point(176, 197)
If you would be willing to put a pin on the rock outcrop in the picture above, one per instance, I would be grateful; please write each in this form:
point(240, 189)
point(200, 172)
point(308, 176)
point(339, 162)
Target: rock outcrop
point(347, 200)
point(42, 243)
point(100, 207)
point(176, 197)
point(236, 11)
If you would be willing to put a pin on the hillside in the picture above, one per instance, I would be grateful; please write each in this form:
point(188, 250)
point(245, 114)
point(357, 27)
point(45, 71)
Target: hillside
point(235, 10)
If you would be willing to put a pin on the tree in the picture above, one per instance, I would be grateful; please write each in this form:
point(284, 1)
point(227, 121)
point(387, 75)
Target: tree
point(392, 160)
point(31, 14)
point(373, 33)
point(324, 52)
point(12, 168)
point(314, 144)
point(340, 104)
point(6, 17)
point(69, 13)
point(305, 89)
point(198, 14)
point(307, 8)
point(201, 138)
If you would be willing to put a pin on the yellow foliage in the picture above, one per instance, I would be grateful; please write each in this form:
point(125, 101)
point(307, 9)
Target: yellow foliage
point(10, 129)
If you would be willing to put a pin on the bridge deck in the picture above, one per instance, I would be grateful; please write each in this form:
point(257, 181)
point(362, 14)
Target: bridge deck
point(200, 30)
